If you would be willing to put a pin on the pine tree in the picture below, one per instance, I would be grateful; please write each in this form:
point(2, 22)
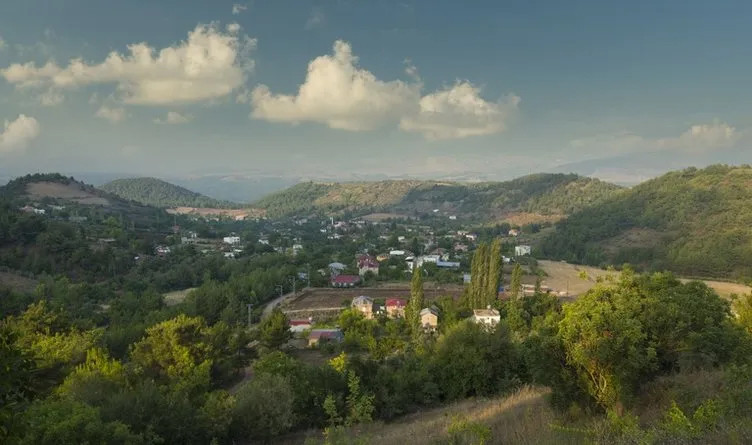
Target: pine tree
point(516, 283)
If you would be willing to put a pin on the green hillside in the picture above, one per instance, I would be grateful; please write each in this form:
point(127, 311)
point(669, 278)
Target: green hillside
point(544, 195)
point(158, 193)
point(694, 222)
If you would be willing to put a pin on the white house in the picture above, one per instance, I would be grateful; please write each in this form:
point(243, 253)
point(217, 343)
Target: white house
point(522, 250)
point(231, 240)
point(488, 317)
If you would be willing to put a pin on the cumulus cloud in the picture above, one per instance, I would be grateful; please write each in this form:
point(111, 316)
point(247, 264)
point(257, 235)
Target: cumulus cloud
point(17, 135)
point(51, 98)
point(174, 118)
point(114, 115)
point(208, 65)
point(459, 111)
point(238, 8)
point(698, 138)
point(3, 45)
point(703, 137)
point(338, 93)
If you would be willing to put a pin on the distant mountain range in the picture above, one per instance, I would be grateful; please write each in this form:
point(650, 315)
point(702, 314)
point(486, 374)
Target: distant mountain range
point(158, 193)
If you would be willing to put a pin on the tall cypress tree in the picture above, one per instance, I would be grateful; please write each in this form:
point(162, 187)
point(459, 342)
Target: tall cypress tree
point(483, 278)
point(516, 283)
point(494, 272)
point(415, 304)
point(475, 277)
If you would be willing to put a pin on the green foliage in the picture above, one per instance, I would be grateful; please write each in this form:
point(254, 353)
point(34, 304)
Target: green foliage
point(515, 285)
point(264, 408)
point(693, 222)
point(415, 305)
point(16, 383)
point(275, 329)
point(464, 432)
point(158, 193)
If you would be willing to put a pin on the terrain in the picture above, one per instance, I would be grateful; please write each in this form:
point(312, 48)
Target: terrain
point(533, 198)
point(695, 222)
point(158, 193)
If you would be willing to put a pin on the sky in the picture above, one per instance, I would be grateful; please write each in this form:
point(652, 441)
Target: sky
point(344, 89)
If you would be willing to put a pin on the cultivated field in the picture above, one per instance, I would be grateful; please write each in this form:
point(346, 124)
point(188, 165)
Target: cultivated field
point(329, 298)
point(72, 192)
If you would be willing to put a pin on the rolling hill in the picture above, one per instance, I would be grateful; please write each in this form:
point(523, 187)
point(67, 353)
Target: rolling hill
point(539, 197)
point(693, 222)
point(158, 193)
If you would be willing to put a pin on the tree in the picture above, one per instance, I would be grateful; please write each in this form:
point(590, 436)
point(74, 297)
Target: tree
point(516, 282)
point(264, 408)
point(275, 329)
point(415, 305)
point(494, 272)
point(16, 383)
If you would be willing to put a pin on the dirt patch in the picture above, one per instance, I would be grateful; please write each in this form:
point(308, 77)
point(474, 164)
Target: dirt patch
point(565, 277)
point(71, 192)
point(18, 283)
point(237, 214)
point(522, 218)
point(176, 297)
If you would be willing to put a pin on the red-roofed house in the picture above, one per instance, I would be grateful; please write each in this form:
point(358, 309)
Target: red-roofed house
point(298, 326)
point(367, 264)
point(318, 336)
point(395, 307)
point(345, 281)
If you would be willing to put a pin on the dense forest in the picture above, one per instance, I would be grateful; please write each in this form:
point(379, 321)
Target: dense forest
point(543, 194)
point(157, 193)
point(695, 222)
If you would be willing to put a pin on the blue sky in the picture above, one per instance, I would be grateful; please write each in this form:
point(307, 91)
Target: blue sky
point(620, 90)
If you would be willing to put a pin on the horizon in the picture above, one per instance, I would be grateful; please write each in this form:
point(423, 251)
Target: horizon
point(338, 91)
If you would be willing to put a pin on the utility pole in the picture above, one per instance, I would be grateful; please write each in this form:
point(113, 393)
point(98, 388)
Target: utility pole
point(308, 274)
point(292, 278)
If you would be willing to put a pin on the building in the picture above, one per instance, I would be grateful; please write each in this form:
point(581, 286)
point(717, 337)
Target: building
point(448, 264)
point(298, 326)
point(162, 250)
point(522, 250)
point(395, 307)
point(429, 319)
point(382, 257)
point(466, 277)
point(231, 240)
point(345, 281)
point(488, 317)
point(367, 264)
point(363, 305)
point(514, 232)
point(336, 268)
point(318, 336)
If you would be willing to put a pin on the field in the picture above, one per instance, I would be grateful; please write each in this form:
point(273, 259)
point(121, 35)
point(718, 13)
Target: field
point(330, 299)
point(524, 417)
point(72, 192)
point(237, 214)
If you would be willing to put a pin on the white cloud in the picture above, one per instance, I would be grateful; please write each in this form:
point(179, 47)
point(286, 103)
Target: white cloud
point(17, 135)
point(233, 28)
point(698, 138)
point(114, 115)
point(237, 8)
point(51, 98)
point(458, 112)
point(210, 64)
point(338, 93)
point(315, 20)
point(3, 45)
point(174, 118)
point(703, 137)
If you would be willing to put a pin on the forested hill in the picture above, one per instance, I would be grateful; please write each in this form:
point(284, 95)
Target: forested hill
point(158, 193)
point(694, 222)
point(539, 196)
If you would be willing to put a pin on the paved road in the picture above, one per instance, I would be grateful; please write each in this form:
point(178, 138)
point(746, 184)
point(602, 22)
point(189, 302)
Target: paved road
point(276, 302)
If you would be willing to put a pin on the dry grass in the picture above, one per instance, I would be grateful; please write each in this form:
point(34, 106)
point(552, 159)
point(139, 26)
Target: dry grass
point(237, 214)
point(524, 417)
point(18, 283)
point(176, 297)
point(73, 192)
point(561, 276)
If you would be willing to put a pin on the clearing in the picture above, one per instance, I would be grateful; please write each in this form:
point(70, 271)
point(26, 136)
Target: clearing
point(523, 417)
point(17, 283)
point(177, 296)
point(72, 192)
point(236, 214)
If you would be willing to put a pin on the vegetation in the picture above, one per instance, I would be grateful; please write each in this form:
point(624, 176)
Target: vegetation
point(693, 222)
point(157, 193)
point(545, 194)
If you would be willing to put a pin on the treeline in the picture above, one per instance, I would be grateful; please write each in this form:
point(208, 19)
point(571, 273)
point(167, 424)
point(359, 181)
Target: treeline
point(693, 222)
point(157, 193)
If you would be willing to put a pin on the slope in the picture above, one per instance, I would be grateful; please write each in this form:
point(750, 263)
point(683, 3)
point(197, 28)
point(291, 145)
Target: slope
point(158, 193)
point(544, 196)
point(694, 222)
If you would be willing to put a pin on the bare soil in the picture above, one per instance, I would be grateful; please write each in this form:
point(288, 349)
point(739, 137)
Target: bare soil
point(72, 192)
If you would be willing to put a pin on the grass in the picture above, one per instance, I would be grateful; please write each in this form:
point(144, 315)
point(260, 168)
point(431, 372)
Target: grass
point(176, 297)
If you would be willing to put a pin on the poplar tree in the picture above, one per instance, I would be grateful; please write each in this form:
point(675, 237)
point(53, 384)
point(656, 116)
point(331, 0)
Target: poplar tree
point(494, 272)
point(416, 301)
point(516, 283)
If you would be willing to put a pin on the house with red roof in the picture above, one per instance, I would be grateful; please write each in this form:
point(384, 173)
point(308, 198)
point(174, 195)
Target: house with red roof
point(395, 307)
point(345, 281)
point(367, 264)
